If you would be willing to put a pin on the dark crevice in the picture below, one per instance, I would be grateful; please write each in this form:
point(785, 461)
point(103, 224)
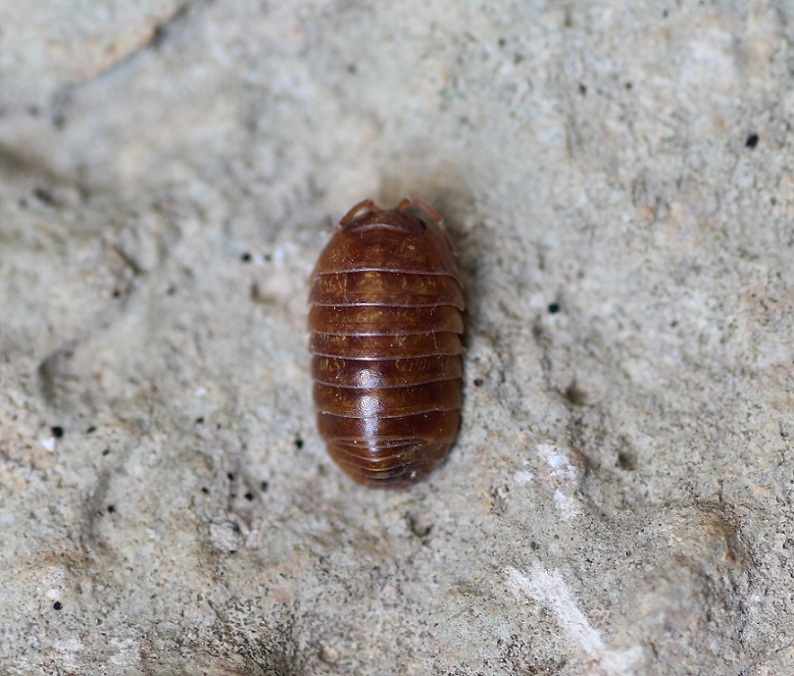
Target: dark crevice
point(161, 31)
point(62, 96)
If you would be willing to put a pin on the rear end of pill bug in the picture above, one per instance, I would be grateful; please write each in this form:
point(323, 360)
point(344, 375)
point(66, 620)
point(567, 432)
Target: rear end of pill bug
point(385, 324)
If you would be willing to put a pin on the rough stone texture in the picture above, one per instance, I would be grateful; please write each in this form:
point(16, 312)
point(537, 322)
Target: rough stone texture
point(620, 497)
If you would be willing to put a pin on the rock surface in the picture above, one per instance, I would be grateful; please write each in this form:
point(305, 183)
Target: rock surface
point(617, 178)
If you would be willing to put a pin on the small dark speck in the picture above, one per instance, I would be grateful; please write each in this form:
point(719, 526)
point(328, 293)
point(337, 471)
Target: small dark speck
point(23, 203)
point(352, 69)
point(502, 42)
point(230, 476)
point(249, 496)
point(44, 195)
point(419, 527)
point(158, 37)
point(534, 545)
point(205, 490)
point(267, 258)
point(245, 257)
point(106, 451)
point(34, 111)
point(170, 291)
point(576, 395)
point(57, 605)
point(199, 420)
point(553, 308)
point(478, 382)
point(582, 89)
point(298, 443)
point(628, 86)
point(116, 293)
point(627, 461)
point(264, 486)
point(235, 527)
point(57, 431)
point(111, 509)
point(752, 141)
point(91, 430)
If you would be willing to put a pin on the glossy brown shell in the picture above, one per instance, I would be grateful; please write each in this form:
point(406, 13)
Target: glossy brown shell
point(385, 321)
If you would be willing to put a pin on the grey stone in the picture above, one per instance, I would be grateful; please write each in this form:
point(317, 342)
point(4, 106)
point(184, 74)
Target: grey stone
point(617, 179)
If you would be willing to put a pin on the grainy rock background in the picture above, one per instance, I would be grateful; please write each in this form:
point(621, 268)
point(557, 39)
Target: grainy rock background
point(618, 181)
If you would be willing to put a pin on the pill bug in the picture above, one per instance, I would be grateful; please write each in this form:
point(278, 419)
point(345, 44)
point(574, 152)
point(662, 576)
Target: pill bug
point(385, 323)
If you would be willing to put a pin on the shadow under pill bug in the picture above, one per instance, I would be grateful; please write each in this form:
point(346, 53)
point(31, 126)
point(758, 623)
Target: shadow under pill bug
point(385, 322)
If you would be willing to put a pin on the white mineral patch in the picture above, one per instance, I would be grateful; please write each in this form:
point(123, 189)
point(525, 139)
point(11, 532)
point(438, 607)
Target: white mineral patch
point(561, 467)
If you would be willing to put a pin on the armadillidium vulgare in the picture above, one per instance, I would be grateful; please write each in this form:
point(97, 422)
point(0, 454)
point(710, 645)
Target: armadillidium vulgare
point(385, 322)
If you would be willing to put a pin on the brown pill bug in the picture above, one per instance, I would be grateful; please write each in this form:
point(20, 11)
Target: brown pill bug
point(385, 322)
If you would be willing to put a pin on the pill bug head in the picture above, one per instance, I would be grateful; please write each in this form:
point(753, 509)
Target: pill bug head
point(409, 216)
point(367, 231)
